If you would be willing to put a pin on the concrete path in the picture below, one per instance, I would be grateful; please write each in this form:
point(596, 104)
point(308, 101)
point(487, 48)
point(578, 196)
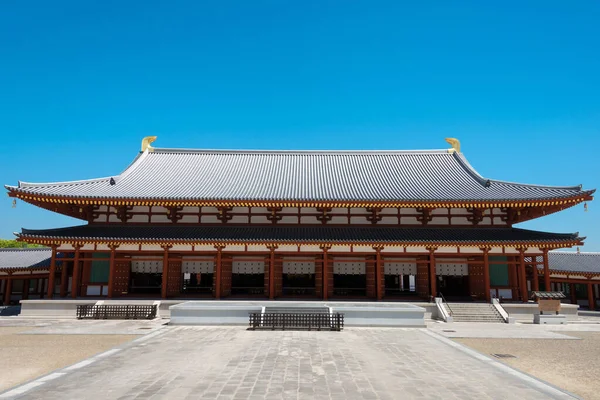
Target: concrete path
point(232, 363)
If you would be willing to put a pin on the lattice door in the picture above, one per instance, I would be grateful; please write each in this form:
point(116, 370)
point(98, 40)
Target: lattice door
point(476, 280)
point(122, 273)
point(371, 281)
point(174, 278)
point(423, 280)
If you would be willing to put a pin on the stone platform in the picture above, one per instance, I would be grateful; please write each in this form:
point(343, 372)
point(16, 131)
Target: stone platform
point(355, 313)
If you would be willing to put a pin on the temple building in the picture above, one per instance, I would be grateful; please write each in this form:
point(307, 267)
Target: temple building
point(299, 224)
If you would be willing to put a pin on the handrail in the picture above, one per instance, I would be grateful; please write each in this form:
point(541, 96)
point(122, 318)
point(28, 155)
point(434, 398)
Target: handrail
point(445, 302)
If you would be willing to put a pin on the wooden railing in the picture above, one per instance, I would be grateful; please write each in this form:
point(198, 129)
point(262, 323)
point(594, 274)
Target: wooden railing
point(91, 311)
point(297, 321)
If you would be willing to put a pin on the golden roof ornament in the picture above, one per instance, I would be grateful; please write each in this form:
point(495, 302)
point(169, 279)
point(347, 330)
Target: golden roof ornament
point(455, 143)
point(146, 143)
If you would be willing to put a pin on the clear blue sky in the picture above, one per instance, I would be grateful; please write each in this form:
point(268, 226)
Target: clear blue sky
point(518, 83)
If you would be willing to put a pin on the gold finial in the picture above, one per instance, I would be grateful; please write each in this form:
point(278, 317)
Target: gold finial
point(455, 143)
point(146, 143)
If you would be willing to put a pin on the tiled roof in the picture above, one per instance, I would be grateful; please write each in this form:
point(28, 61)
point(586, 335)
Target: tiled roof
point(17, 258)
point(570, 261)
point(296, 176)
point(298, 234)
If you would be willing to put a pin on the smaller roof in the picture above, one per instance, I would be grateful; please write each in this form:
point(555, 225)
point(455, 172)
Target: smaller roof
point(573, 262)
point(20, 258)
point(282, 234)
point(548, 295)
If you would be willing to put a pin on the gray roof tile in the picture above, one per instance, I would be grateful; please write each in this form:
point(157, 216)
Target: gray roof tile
point(570, 261)
point(213, 175)
point(17, 258)
point(298, 234)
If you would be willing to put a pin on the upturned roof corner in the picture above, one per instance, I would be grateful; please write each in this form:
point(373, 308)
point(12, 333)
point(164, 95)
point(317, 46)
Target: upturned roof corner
point(146, 143)
point(455, 143)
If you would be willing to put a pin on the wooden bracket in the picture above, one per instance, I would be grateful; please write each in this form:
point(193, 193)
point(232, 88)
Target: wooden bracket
point(425, 215)
point(91, 212)
point(476, 215)
point(174, 213)
point(375, 215)
point(123, 213)
point(274, 215)
point(325, 216)
point(224, 215)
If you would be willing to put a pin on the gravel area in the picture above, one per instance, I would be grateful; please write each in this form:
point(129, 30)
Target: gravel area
point(572, 365)
point(25, 357)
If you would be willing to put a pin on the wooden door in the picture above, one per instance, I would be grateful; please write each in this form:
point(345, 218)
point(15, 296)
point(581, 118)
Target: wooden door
point(174, 278)
point(476, 281)
point(423, 288)
point(122, 274)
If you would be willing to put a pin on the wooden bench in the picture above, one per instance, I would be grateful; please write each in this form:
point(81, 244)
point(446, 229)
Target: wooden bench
point(91, 311)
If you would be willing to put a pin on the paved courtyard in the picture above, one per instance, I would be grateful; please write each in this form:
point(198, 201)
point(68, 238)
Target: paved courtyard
point(232, 363)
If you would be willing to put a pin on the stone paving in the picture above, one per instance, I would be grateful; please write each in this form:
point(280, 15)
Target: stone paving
point(232, 363)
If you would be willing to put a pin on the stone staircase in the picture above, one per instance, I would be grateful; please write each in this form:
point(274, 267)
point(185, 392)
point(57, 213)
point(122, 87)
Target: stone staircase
point(474, 312)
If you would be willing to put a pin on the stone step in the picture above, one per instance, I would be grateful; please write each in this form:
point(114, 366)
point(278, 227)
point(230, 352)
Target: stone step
point(297, 310)
point(474, 312)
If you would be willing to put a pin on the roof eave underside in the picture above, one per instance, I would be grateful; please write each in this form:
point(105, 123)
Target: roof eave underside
point(409, 237)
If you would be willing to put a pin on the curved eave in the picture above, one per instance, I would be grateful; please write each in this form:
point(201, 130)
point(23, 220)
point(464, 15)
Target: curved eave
point(569, 274)
point(52, 240)
point(25, 269)
point(568, 201)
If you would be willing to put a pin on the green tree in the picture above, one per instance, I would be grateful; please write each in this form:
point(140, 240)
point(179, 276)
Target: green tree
point(12, 243)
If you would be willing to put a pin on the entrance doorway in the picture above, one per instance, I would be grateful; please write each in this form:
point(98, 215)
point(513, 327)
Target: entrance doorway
point(146, 276)
point(400, 285)
point(248, 276)
point(298, 277)
point(349, 277)
point(452, 276)
point(197, 275)
point(199, 283)
point(400, 277)
point(456, 287)
point(146, 283)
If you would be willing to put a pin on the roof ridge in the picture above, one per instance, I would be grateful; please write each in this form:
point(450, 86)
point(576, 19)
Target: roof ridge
point(577, 187)
point(581, 253)
point(23, 185)
point(24, 248)
point(298, 151)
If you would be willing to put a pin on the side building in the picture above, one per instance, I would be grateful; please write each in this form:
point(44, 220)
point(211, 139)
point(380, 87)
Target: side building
point(299, 224)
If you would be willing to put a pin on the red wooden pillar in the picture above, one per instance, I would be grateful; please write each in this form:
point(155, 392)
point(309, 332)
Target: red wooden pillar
point(536, 278)
point(573, 294)
point(486, 273)
point(111, 270)
point(272, 272)
point(51, 273)
point(379, 285)
point(546, 271)
point(591, 297)
point(325, 273)
point(217, 275)
point(522, 276)
point(7, 291)
point(76, 274)
point(25, 294)
point(432, 275)
point(165, 273)
point(64, 279)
